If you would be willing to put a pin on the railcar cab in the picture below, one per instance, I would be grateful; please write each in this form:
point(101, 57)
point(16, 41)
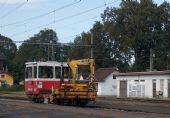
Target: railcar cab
point(42, 77)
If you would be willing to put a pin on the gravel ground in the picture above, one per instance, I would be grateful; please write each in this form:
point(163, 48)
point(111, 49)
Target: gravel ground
point(110, 103)
point(10, 108)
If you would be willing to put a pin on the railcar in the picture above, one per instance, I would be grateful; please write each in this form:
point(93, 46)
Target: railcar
point(42, 78)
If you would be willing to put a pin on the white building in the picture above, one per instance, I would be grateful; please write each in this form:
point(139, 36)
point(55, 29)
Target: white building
point(143, 84)
point(106, 81)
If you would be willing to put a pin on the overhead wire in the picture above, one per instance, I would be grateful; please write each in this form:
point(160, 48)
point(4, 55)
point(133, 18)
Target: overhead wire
point(41, 15)
point(40, 43)
point(86, 11)
point(53, 22)
point(13, 10)
point(68, 17)
point(55, 28)
point(34, 28)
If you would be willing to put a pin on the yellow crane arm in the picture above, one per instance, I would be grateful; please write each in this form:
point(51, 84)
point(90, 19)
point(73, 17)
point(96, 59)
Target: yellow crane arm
point(73, 64)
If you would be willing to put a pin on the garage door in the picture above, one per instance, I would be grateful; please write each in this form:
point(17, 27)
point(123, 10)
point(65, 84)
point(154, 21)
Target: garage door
point(123, 89)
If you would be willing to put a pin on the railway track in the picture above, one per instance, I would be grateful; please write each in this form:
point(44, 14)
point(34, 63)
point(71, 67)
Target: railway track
point(128, 105)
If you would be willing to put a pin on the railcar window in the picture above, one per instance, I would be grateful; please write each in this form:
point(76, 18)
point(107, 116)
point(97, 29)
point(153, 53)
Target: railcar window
point(65, 72)
point(29, 72)
point(45, 72)
point(35, 71)
point(58, 72)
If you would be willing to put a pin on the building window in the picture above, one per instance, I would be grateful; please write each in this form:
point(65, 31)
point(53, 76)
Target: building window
point(114, 77)
point(136, 90)
point(136, 80)
point(142, 80)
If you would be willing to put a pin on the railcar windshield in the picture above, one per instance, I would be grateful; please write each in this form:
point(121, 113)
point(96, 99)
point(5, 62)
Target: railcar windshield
point(28, 72)
point(45, 72)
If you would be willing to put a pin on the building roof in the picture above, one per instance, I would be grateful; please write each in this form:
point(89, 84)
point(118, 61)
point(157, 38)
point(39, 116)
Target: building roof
point(167, 72)
point(102, 73)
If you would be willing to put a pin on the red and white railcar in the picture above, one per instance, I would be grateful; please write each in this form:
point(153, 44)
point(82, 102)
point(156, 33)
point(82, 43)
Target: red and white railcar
point(41, 78)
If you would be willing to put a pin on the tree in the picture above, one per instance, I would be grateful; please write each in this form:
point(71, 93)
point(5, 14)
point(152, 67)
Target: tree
point(136, 28)
point(40, 47)
point(105, 53)
point(8, 49)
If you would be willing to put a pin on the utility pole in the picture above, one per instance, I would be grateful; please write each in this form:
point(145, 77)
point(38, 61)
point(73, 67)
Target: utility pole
point(167, 62)
point(48, 52)
point(52, 52)
point(151, 59)
point(91, 45)
point(62, 72)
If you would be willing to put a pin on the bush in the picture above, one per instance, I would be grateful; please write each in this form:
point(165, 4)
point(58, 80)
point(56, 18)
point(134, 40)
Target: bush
point(12, 88)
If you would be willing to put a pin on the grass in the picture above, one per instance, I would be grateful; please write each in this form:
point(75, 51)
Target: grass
point(16, 89)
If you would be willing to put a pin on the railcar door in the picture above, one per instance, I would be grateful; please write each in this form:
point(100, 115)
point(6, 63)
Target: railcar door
point(29, 80)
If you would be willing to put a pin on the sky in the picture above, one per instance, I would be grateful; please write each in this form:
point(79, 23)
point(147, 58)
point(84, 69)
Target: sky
point(21, 19)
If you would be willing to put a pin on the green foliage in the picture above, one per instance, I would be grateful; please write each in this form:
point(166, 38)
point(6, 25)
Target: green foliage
point(15, 88)
point(9, 50)
point(105, 53)
point(7, 47)
point(35, 49)
point(137, 27)
point(129, 32)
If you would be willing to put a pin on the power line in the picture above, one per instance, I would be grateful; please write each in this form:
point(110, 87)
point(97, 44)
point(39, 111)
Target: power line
point(55, 44)
point(41, 15)
point(37, 27)
point(68, 17)
point(53, 22)
point(12, 10)
point(86, 11)
point(60, 27)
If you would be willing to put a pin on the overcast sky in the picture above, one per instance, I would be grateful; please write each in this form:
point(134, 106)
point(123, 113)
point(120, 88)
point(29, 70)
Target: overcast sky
point(18, 19)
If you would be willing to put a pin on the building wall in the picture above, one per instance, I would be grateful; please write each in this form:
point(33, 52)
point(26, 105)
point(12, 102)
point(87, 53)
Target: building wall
point(107, 87)
point(142, 86)
point(99, 91)
point(7, 78)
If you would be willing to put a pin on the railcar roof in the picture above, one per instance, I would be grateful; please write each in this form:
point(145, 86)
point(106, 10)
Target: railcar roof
point(47, 63)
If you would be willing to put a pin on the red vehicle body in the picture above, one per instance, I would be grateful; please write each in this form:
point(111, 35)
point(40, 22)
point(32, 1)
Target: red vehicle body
point(44, 77)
